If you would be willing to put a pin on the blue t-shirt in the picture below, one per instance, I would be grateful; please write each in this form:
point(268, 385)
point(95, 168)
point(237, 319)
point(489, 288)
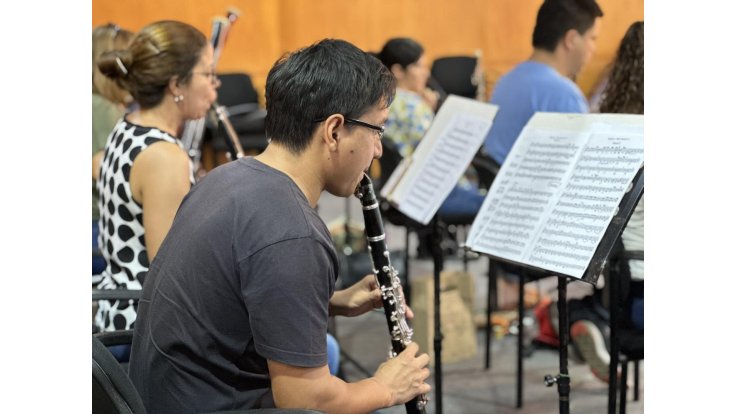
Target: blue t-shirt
point(530, 87)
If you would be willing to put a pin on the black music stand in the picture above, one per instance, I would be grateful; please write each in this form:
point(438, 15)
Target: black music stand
point(594, 269)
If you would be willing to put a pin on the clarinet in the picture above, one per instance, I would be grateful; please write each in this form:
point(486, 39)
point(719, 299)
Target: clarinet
point(388, 281)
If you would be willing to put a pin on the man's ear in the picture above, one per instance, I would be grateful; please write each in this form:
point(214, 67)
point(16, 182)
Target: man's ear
point(570, 39)
point(333, 128)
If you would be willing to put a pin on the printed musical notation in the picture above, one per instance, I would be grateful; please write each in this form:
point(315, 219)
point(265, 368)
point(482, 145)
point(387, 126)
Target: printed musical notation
point(440, 159)
point(558, 190)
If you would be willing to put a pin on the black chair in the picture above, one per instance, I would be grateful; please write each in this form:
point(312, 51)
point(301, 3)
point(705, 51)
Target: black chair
point(627, 343)
point(455, 74)
point(114, 393)
point(240, 99)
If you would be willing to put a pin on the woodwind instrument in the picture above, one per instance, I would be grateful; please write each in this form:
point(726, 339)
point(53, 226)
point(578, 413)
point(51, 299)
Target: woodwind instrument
point(232, 141)
point(193, 133)
point(388, 281)
point(194, 130)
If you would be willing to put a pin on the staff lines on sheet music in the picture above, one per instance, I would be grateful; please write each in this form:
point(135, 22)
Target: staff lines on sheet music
point(511, 224)
point(482, 243)
point(594, 207)
point(592, 188)
point(541, 168)
point(556, 263)
point(536, 176)
point(576, 195)
point(541, 250)
point(614, 150)
point(418, 195)
point(563, 233)
point(438, 166)
point(551, 145)
point(567, 244)
point(528, 200)
point(456, 147)
point(543, 154)
point(433, 174)
point(585, 227)
point(447, 157)
point(519, 206)
point(425, 185)
point(512, 233)
point(413, 202)
point(543, 160)
point(517, 216)
point(505, 241)
point(598, 179)
point(608, 160)
point(563, 213)
point(529, 191)
point(613, 169)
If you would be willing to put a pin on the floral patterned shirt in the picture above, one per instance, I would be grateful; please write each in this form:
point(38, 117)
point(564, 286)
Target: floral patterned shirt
point(409, 118)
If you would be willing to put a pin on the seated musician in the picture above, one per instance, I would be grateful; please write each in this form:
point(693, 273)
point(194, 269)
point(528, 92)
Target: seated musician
point(145, 172)
point(235, 307)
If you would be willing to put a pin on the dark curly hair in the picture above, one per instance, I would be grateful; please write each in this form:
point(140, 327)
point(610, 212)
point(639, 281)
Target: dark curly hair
point(624, 93)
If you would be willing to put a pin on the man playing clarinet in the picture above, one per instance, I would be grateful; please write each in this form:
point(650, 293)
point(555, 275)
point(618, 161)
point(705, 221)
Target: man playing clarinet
point(235, 305)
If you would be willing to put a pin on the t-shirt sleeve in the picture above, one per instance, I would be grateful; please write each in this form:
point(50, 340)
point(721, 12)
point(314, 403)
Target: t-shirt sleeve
point(287, 287)
point(570, 103)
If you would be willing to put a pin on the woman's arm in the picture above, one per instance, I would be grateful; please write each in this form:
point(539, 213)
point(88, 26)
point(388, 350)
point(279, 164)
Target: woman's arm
point(159, 180)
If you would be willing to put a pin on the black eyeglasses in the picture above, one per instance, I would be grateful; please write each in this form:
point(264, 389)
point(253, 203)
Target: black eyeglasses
point(377, 128)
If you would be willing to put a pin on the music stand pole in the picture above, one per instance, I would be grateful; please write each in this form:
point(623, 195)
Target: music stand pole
point(563, 378)
point(436, 248)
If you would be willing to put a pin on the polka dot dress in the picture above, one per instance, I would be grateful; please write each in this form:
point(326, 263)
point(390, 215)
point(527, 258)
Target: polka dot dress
point(121, 238)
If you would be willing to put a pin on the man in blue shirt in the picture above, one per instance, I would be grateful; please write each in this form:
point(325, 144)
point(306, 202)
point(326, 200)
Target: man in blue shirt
point(564, 40)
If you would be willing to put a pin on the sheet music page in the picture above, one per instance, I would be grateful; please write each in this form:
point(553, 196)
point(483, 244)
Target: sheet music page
point(559, 189)
point(442, 156)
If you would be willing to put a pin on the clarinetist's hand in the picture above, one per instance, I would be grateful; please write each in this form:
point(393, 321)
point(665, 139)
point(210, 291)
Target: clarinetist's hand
point(404, 375)
point(357, 299)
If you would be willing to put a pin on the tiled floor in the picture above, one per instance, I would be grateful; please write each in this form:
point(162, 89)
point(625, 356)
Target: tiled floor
point(467, 386)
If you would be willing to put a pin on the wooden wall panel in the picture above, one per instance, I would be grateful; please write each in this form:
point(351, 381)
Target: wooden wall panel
point(501, 29)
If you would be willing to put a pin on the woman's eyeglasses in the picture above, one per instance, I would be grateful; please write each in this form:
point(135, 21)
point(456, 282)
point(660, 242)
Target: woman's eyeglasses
point(211, 74)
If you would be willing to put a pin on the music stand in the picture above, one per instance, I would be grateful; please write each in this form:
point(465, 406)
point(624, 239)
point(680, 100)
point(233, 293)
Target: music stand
point(559, 204)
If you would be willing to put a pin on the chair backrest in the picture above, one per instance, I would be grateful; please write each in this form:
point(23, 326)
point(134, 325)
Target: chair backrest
point(455, 75)
point(486, 167)
point(112, 390)
point(236, 89)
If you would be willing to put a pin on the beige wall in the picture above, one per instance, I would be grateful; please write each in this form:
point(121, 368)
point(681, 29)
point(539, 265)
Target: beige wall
point(501, 29)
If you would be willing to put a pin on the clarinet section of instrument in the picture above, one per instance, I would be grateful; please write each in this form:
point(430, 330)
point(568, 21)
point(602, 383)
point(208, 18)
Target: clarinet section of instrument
point(387, 279)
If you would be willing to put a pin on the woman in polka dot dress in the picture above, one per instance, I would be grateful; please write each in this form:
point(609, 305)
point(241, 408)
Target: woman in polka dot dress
point(145, 172)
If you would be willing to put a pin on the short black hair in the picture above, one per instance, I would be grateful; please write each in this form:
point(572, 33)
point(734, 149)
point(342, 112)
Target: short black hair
point(401, 50)
point(556, 17)
point(329, 77)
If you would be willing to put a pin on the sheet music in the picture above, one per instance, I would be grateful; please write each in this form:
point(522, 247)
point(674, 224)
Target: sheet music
point(422, 182)
point(559, 189)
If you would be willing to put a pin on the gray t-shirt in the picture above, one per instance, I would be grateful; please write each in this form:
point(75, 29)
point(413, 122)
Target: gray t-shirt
point(244, 275)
